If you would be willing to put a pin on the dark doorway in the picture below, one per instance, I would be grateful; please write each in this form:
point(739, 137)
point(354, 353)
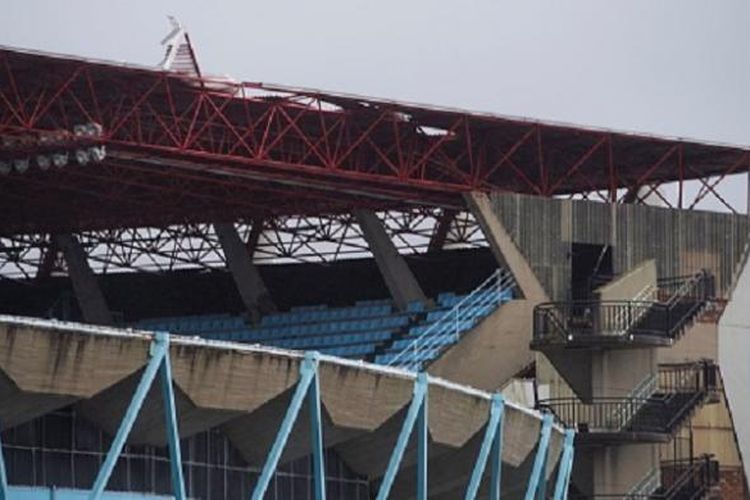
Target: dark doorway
point(591, 267)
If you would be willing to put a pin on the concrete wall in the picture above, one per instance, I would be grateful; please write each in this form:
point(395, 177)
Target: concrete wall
point(734, 361)
point(630, 285)
point(245, 390)
point(615, 373)
point(681, 241)
point(492, 352)
point(613, 470)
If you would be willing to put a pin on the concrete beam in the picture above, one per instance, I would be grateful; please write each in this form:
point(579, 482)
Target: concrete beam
point(249, 283)
point(398, 277)
point(88, 293)
point(505, 250)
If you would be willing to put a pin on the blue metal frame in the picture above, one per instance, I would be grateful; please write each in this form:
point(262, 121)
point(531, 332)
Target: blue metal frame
point(496, 454)
point(565, 467)
point(159, 361)
point(537, 480)
point(306, 387)
point(417, 411)
point(491, 444)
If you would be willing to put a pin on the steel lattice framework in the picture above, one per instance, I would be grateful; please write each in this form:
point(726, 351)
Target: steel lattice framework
point(319, 239)
point(184, 151)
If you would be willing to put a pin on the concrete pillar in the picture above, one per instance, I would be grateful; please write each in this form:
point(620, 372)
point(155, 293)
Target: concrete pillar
point(88, 293)
point(440, 232)
point(398, 277)
point(505, 250)
point(252, 290)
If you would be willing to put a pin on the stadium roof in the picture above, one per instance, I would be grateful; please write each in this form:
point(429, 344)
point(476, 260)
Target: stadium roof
point(187, 149)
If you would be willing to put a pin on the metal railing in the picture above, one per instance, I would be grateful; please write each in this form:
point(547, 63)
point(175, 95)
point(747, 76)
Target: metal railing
point(685, 479)
point(680, 389)
point(567, 321)
point(691, 478)
point(646, 486)
point(448, 328)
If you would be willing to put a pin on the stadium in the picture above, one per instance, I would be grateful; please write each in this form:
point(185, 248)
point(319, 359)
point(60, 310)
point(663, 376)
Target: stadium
point(220, 289)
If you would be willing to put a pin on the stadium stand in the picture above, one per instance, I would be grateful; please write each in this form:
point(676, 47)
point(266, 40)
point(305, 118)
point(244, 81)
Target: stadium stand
point(370, 329)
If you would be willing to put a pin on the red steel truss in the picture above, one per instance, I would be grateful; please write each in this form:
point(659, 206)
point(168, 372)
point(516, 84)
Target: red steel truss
point(183, 149)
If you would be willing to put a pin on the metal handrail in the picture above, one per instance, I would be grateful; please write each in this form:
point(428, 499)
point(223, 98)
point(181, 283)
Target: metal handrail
point(696, 477)
point(565, 321)
point(449, 325)
point(615, 414)
point(647, 485)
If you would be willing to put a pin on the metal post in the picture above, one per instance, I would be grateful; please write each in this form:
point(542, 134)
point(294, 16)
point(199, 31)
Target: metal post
point(490, 445)
point(4, 495)
point(308, 371)
point(158, 351)
point(566, 464)
point(422, 445)
point(496, 477)
point(535, 483)
point(170, 417)
point(316, 434)
point(418, 398)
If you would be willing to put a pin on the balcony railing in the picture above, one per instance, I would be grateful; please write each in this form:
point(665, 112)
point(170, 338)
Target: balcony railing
point(685, 479)
point(680, 389)
point(563, 322)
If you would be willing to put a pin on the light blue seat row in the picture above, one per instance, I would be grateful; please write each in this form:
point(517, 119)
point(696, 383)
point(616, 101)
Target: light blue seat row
point(415, 306)
point(379, 323)
point(442, 328)
point(319, 315)
point(434, 341)
point(193, 324)
point(312, 343)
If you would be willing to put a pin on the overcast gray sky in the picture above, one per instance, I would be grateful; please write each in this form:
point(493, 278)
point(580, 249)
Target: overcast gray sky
point(676, 67)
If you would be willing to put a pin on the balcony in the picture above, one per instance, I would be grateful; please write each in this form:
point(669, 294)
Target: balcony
point(627, 323)
point(647, 415)
point(693, 478)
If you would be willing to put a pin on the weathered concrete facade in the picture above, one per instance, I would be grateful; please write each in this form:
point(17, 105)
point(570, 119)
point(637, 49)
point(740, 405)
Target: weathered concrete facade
point(244, 391)
point(680, 241)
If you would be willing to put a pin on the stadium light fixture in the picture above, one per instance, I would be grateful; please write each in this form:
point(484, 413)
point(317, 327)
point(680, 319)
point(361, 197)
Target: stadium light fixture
point(82, 156)
point(97, 153)
point(21, 165)
point(60, 159)
point(43, 161)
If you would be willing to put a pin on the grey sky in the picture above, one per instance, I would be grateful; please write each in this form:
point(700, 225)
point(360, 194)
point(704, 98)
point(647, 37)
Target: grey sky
point(676, 67)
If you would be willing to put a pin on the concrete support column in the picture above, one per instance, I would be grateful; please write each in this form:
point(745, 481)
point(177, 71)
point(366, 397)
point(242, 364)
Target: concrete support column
point(398, 277)
point(249, 283)
point(440, 233)
point(505, 250)
point(88, 293)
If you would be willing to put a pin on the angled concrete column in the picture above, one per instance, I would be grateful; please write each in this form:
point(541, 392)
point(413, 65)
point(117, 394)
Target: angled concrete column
point(88, 293)
point(505, 250)
point(440, 233)
point(398, 277)
point(252, 290)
